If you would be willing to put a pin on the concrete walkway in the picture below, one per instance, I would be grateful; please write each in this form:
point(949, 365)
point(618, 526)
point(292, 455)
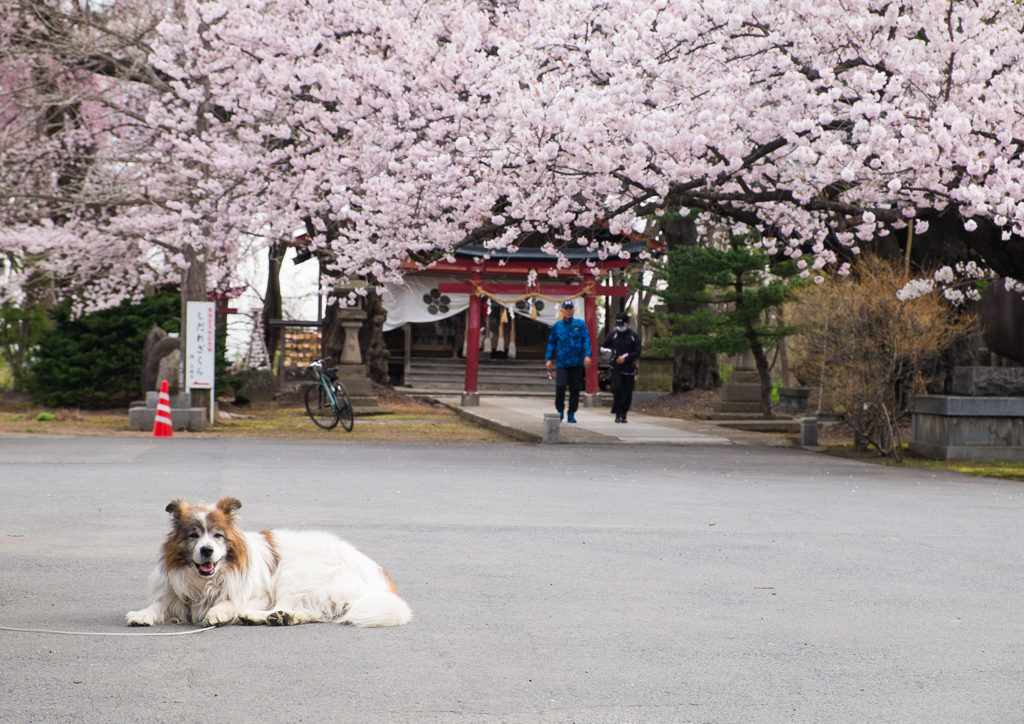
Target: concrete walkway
point(523, 419)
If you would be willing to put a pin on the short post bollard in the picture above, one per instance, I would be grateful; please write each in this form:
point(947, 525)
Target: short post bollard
point(809, 432)
point(552, 427)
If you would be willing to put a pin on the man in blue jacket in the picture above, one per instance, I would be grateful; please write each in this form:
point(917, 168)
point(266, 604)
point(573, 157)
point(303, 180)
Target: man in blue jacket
point(569, 343)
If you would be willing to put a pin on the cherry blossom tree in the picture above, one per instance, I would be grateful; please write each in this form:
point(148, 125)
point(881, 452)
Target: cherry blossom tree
point(822, 125)
point(67, 141)
point(390, 129)
point(96, 202)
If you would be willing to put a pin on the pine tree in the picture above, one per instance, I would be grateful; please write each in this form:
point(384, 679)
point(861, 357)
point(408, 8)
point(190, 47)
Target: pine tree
point(728, 291)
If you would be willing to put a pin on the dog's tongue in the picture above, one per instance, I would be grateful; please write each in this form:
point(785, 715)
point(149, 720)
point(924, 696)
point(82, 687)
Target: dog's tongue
point(206, 567)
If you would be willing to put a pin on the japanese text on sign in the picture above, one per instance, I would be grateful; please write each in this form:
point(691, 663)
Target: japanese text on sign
point(201, 330)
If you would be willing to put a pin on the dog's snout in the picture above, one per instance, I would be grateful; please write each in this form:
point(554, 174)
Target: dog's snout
point(206, 551)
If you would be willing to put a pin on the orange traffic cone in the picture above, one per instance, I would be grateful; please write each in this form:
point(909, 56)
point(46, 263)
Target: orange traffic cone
point(162, 425)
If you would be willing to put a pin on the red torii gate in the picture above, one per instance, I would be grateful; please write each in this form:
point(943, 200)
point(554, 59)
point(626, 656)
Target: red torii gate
point(478, 289)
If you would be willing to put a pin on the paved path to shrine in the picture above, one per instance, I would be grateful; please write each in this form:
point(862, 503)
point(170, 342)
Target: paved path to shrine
point(552, 584)
point(523, 418)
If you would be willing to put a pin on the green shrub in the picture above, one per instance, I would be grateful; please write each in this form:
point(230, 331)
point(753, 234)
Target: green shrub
point(96, 360)
point(45, 417)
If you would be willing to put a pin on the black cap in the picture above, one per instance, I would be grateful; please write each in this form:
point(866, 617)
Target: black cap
point(622, 317)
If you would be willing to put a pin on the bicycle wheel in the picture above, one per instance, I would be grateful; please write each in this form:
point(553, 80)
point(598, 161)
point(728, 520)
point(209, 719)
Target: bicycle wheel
point(319, 407)
point(345, 415)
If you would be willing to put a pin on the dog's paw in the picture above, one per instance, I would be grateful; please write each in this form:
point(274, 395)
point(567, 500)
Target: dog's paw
point(140, 618)
point(280, 618)
point(252, 618)
point(221, 616)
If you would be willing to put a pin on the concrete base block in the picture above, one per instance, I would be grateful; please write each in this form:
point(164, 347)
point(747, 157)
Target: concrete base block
point(357, 386)
point(741, 393)
point(791, 427)
point(179, 401)
point(192, 419)
point(591, 400)
point(552, 428)
point(948, 427)
point(750, 408)
point(978, 453)
point(360, 391)
point(371, 411)
point(809, 432)
point(952, 406)
point(359, 403)
point(471, 399)
point(347, 371)
point(793, 400)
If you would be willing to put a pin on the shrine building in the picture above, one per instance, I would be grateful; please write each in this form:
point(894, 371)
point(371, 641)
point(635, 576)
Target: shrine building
point(505, 300)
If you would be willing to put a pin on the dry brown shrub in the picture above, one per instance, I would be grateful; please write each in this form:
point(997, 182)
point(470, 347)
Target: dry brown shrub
point(865, 349)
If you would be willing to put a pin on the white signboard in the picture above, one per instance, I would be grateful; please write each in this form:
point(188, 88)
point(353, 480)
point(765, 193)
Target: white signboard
point(201, 330)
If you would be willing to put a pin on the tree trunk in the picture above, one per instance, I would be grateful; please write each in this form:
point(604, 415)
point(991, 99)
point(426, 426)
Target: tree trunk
point(193, 289)
point(272, 305)
point(19, 369)
point(783, 352)
point(692, 370)
point(373, 333)
point(763, 373)
point(332, 334)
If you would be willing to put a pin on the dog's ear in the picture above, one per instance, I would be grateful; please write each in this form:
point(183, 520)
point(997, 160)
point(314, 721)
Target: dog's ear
point(177, 508)
point(229, 505)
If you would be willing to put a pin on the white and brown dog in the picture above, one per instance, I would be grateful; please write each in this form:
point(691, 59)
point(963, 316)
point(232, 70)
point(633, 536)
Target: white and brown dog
point(212, 572)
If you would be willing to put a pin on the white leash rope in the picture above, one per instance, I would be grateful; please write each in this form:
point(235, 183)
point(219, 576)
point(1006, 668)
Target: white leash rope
point(86, 633)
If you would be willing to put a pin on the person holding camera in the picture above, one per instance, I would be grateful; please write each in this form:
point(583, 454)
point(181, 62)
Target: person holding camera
point(625, 347)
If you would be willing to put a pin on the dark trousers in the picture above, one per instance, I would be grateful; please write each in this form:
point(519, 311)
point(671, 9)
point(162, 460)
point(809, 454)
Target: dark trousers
point(571, 377)
point(622, 392)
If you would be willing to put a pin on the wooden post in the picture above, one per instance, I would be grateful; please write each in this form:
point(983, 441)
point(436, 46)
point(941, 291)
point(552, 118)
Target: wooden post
point(473, 340)
point(408, 347)
point(280, 362)
point(783, 356)
point(193, 289)
point(590, 317)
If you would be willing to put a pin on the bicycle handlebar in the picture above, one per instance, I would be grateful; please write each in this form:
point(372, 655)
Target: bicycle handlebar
point(320, 362)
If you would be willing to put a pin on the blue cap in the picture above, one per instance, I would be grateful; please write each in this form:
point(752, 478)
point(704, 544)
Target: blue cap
point(567, 304)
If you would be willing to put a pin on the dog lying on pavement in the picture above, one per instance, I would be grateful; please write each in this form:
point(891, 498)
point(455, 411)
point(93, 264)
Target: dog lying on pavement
point(214, 573)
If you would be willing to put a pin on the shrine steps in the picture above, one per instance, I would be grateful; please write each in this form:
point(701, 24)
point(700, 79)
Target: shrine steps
point(449, 375)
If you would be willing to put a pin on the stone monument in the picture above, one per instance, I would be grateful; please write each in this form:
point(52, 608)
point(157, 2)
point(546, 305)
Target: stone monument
point(741, 395)
point(168, 370)
point(982, 420)
point(984, 417)
point(257, 387)
point(351, 370)
point(157, 346)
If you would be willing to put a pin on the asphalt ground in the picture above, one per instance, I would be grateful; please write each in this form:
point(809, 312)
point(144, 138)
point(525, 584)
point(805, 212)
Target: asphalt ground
point(582, 583)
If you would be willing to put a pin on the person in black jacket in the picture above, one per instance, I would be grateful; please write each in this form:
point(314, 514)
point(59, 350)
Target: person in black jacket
point(624, 345)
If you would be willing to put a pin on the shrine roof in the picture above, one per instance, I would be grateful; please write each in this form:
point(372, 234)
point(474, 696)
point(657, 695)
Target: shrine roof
point(532, 254)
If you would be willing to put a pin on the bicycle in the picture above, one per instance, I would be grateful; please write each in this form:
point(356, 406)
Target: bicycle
point(327, 401)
